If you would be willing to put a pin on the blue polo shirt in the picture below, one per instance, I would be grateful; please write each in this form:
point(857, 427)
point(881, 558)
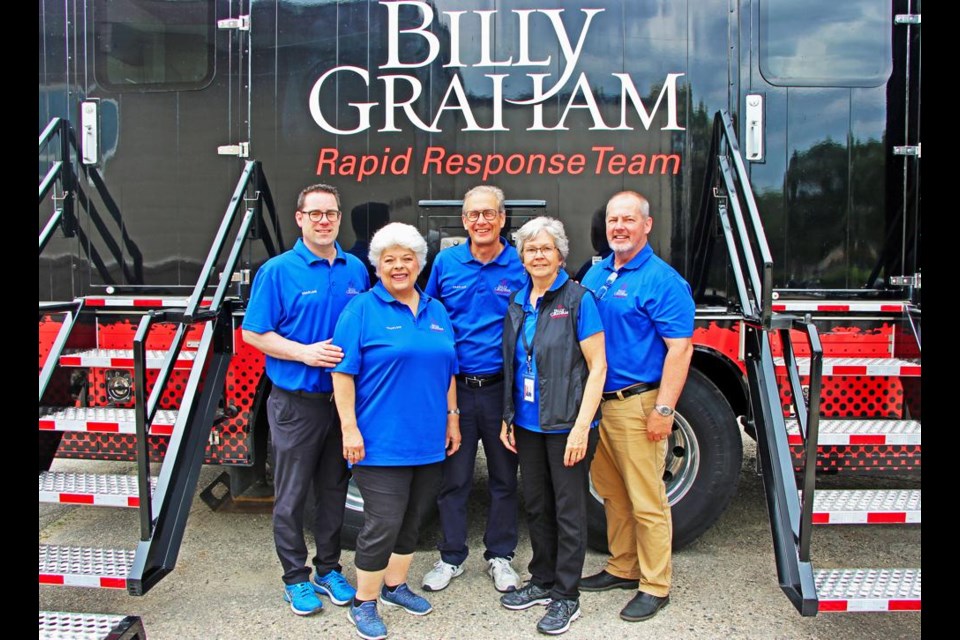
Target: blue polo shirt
point(527, 414)
point(646, 302)
point(300, 296)
point(402, 367)
point(476, 296)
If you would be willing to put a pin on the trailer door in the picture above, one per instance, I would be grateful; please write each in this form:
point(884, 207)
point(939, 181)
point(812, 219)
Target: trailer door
point(823, 99)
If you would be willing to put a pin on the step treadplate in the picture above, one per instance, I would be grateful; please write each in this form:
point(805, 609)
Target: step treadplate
point(102, 490)
point(60, 625)
point(123, 359)
point(866, 507)
point(85, 567)
point(857, 367)
point(103, 420)
point(868, 589)
point(860, 432)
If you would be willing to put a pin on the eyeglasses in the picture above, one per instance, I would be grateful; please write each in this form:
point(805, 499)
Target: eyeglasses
point(331, 215)
point(602, 291)
point(533, 251)
point(488, 214)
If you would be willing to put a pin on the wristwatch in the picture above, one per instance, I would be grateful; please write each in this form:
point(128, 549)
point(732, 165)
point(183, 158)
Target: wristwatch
point(453, 412)
point(663, 410)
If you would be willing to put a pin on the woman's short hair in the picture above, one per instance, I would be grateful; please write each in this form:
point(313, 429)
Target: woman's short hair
point(397, 234)
point(554, 227)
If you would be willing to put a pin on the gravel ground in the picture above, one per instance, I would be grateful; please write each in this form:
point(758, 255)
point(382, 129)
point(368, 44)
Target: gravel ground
point(226, 583)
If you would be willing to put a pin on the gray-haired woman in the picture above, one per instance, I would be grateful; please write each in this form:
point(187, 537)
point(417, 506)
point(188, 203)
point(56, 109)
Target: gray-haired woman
point(553, 353)
point(397, 400)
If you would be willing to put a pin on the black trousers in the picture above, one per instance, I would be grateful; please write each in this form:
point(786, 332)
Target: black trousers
point(396, 500)
point(307, 451)
point(556, 501)
point(480, 419)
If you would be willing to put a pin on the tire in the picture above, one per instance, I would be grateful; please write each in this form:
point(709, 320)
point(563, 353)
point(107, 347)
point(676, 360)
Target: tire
point(704, 458)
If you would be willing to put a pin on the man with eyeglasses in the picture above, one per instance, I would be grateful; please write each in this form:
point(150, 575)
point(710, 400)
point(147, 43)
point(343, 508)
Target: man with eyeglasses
point(474, 281)
point(648, 312)
point(294, 305)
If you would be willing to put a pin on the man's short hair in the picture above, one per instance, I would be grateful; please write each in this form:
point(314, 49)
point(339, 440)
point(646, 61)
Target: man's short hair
point(641, 199)
point(317, 188)
point(489, 189)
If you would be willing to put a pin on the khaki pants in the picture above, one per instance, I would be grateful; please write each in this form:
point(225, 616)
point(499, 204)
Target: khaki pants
point(627, 473)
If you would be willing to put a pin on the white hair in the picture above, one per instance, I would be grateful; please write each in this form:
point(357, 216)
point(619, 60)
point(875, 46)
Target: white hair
point(554, 227)
point(397, 234)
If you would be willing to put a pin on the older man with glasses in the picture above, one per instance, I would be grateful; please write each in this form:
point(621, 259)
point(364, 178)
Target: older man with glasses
point(474, 281)
point(294, 305)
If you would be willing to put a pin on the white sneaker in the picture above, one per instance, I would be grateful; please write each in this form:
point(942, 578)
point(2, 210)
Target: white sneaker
point(505, 579)
point(440, 576)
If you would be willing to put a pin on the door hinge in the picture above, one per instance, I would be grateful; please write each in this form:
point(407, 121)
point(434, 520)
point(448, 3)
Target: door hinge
point(242, 23)
point(241, 150)
point(909, 150)
point(907, 18)
point(906, 281)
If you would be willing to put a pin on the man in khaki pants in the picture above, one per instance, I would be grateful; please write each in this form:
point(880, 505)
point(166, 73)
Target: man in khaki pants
point(647, 311)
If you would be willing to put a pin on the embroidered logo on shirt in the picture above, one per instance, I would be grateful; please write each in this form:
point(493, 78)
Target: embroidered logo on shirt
point(308, 293)
point(503, 289)
point(352, 290)
point(435, 327)
point(559, 312)
point(394, 327)
point(621, 292)
point(458, 287)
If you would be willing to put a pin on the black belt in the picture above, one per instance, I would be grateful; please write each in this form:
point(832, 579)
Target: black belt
point(308, 395)
point(476, 382)
point(633, 390)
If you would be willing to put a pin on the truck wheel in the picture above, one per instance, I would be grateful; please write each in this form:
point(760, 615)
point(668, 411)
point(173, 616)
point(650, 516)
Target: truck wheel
point(704, 458)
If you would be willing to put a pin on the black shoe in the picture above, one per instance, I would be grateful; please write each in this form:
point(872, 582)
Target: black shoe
point(525, 597)
point(643, 607)
point(603, 581)
point(560, 613)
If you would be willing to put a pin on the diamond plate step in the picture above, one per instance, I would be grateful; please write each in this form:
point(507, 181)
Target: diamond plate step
point(868, 589)
point(103, 420)
point(123, 359)
point(84, 567)
point(60, 625)
point(857, 367)
point(89, 488)
point(860, 432)
point(866, 507)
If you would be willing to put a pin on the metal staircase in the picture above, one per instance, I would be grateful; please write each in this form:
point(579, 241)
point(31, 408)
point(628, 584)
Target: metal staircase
point(796, 373)
point(159, 393)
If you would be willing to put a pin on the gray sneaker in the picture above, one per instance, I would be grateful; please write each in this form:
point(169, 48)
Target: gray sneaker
point(525, 597)
point(505, 579)
point(559, 615)
point(440, 576)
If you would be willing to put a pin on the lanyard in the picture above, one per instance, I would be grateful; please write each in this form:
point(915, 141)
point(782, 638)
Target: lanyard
point(523, 336)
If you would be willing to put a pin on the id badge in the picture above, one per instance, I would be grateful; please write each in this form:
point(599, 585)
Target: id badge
point(528, 382)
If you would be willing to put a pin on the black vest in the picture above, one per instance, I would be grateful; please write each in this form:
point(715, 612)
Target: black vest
point(561, 368)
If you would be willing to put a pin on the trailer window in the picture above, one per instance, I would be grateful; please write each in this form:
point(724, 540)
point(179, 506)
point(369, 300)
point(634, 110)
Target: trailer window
point(162, 45)
point(825, 43)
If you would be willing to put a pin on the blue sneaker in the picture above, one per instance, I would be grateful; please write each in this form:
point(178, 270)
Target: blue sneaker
point(302, 599)
point(405, 599)
point(367, 620)
point(334, 586)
